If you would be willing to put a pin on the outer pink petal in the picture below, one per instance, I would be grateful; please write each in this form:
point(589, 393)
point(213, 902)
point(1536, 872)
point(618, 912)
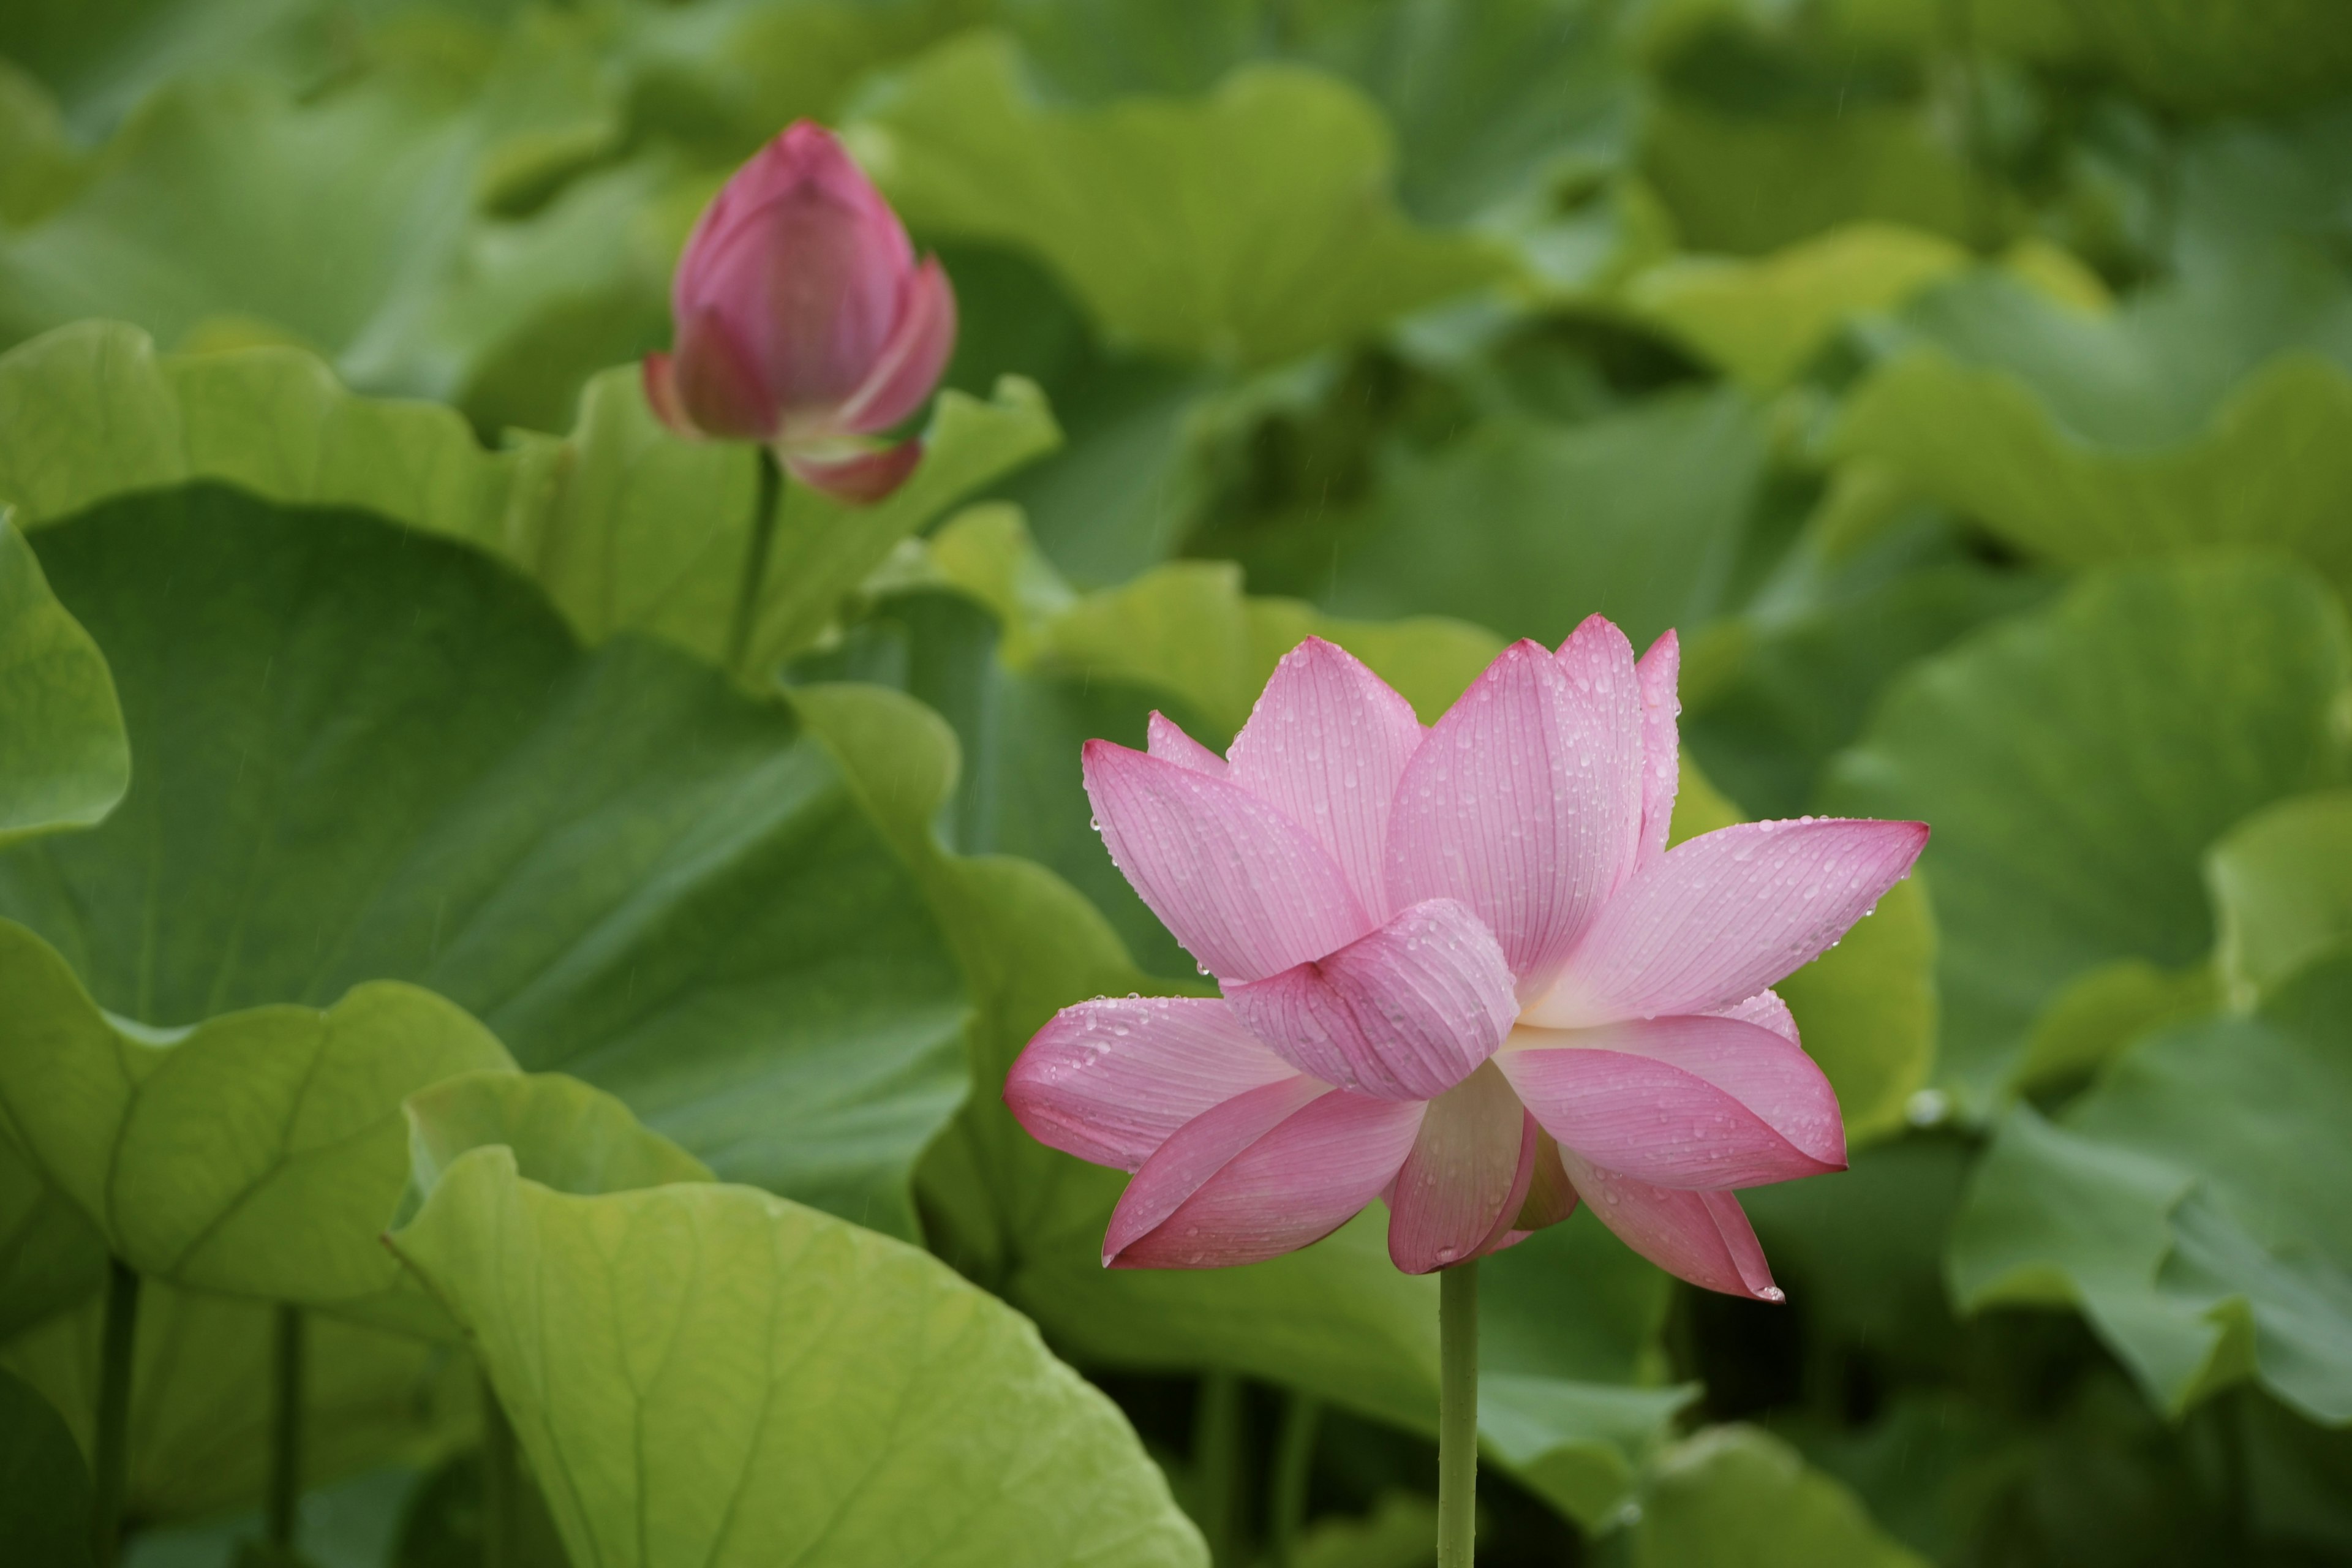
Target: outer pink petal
point(1658, 672)
point(1703, 1237)
point(860, 478)
point(1247, 890)
point(1720, 918)
point(1170, 744)
point(1112, 1079)
point(661, 393)
point(1550, 1196)
point(1405, 1013)
point(1682, 1102)
point(1604, 679)
point(1460, 1188)
point(1198, 1151)
point(1767, 1010)
point(911, 359)
point(1291, 1186)
point(715, 383)
point(1327, 744)
point(1508, 806)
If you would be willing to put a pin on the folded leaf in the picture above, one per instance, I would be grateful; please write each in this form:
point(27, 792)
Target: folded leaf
point(709, 1373)
point(2077, 761)
point(1247, 229)
point(67, 763)
point(258, 1154)
point(625, 526)
point(366, 754)
point(2204, 1248)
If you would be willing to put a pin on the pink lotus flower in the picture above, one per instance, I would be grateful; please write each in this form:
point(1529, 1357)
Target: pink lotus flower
point(1461, 972)
point(803, 321)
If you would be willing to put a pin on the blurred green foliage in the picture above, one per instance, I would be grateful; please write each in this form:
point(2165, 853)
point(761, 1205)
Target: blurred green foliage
point(1968, 381)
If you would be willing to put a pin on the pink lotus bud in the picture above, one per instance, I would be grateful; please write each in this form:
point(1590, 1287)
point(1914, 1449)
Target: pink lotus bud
point(803, 321)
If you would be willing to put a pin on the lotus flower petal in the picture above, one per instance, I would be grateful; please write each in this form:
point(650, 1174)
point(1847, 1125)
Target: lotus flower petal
point(1681, 1102)
point(1405, 1013)
point(1326, 745)
point(1170, 744)
point(1461, 1188)
point(1662, 764)
point(1198, 1151)
point(1505, 806)
point(710, 387)
point(1767, 1010)
point(1247, 890)
point(1704, 1237)
point(1289, 1185)
point(1112, 1079)
point(860, 478)
point(911, 360)
point(1550, 1196)
point(1716, 920)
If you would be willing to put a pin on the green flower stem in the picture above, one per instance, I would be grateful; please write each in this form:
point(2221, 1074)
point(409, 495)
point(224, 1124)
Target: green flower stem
point(1217, 1461)
point(1294, 1464)
point(501, 1484)
point(1457, 1414)
point(755, 559)
point(286, 1429)
point(112, 1459)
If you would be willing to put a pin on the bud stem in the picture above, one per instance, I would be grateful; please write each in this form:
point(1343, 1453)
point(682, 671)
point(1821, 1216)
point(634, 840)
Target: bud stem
point(1457, 1414)
point(110, 1470)
point(285, 1493)
point(764, 506)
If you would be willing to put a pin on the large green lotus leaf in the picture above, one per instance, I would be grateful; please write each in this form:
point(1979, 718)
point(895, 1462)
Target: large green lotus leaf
point(627, 528)
point(100, 57)
point(2248, 186)
point(366, 754)
point(1866, 1009)
point(44, 1485)
point(2198, 56)
point(64, 761)
point(722, 77)
point(2076, 761)
point(231, 208)
point(2190, 1205)
point(51, 1256)
point(565, 1134)
point(1734, 1496)
point(1862, 1254)
point(1750, 184)
point(40, 166)
point(1771, 696)
point(1528, 528)
point(711, 1374)
point(1760, 321)
point(260, 1154)
point(200, 1398)
point(1555, 96)
point(1118, 495)
point(2282, 884)
point(1572, 1317)
point(2216, 415)
point(1248, 227)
